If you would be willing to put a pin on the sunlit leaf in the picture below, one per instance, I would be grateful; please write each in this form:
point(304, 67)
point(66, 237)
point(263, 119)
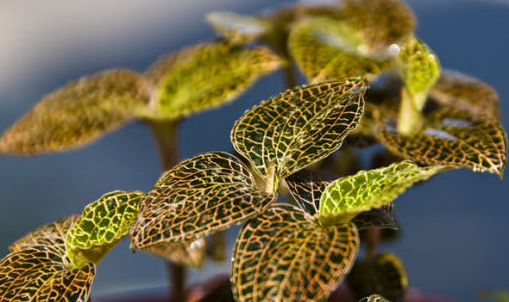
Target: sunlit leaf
point(460, 91)
point(376, 218)
point(452, 137)
point(420, 69)
point(203, 76)
point(374, 298)
point(346, 197)
point(385, 274)
point(101, 225)
point(39, 273)
point(78, 113)
point(237, 28)
point(188, 254)
point(51, 235)
point(283, 255)
point(200, 195)
point(299, 126)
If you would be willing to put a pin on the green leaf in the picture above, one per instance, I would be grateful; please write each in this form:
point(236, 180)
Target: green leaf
point(420, 69)
point(189, 254)
point(385, 274)
point(374, 298)
point(78, 113)
point(460, 91)
point(346, 197)
point(206, 75)
point(495, 295)
point(451, 137)
point(298, 127)
point(101, 225)
point(283, 255)
point(39, 273)
point(237, 28)
point(200, 195)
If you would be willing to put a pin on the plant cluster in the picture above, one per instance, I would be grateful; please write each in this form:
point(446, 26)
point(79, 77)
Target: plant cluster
point(370, 78)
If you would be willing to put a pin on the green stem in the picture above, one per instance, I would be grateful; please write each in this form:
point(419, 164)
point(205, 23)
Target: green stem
point(166, 137)
point(410, 119)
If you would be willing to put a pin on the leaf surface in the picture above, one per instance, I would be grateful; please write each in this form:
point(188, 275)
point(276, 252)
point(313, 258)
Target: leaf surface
point(283, 255)
point(78, 113)
point(346, 197)
point(374, 298)
point(206, 75)
point(189, 254)
point(101, 225)
point(299, 126)
point(237, 28)
point(200, 195)
point(376, 218)
point(451, 137)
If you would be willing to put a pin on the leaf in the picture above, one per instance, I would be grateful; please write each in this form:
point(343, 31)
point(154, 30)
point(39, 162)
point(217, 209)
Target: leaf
point(306, 188)
point(203, 76)
point(51, 235)
point(346, 197)
point(299, 126)
point(237, 28)
point(101, 225)
point(385, 274)
point(376, 218)
point(451, 137)
point(325, 48)
point(463, 92)
point(200, 195)
point(283, 255)
point(39, 273)
point(188, 254)
point(420, 69)
point(78, 113)
point(374, 298)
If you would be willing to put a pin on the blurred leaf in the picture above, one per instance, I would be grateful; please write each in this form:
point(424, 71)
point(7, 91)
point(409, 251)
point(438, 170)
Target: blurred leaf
point(78, 113)
point(376, 218)
point(299, 126)
point(463, 92)
point(420, 69)
point(203, 76)
point(51, 235)
point(39, 273)
point(373, 298)
point(101, 225)
point(190, 254)
point(452, 137)
point(325, 49)
point(199, 196)
point(237, 28)
point(346, 197)
point(385, 274)
point(495, 295)
point(283, 255)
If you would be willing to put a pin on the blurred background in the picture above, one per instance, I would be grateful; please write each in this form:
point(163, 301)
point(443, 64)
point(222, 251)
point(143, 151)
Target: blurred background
point(454, 228)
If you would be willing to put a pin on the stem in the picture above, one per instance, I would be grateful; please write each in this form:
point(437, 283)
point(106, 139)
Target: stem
point(218, 244)
point(410, 119)
point(373, 239)
point(290, 80)
point(165, 135)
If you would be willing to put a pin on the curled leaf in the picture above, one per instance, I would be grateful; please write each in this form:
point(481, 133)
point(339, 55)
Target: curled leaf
point(451, 137)
point(376, 218)
point(283, 255)
point(299, 126)
point(203, 76)
point(346, 197)
point(78, 113)
point(237, 28)
point(200, 195)
point(190, 254)
point(101, 225)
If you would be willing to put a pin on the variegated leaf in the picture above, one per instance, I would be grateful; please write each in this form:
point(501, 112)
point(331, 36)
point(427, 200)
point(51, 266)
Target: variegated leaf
point(237, 28)
point(101, 225)
point(420, 69)
point(452, 137)
point(78, 113)
point(189, 254)
point(203, 76)
point(298, 127)
point(376, 218)
point(346, 197)
point(283, 255)
point(200, 195)
point(39, 273)
point(374, 298)
point(460, 91)
point(385, 274)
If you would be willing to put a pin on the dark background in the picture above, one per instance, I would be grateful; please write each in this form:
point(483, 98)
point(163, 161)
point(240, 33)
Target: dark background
point(455, 227)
